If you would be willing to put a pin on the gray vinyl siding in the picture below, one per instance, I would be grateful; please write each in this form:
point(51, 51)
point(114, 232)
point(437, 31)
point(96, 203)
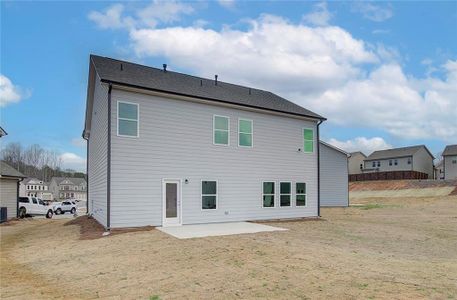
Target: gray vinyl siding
point(401, 166)
point(423, 162)
point(176, 142)
point(354, 163)
point(98, 145)
point(8, 196)
point(450, 169)
point(334, 177)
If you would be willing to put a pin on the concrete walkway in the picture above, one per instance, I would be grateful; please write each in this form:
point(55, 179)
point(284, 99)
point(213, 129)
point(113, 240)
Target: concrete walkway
point(216, 229)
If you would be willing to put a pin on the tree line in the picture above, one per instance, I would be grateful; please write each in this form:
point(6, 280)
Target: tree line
point(35, 161)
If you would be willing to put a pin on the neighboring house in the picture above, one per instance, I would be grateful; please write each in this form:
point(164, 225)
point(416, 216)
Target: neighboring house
point(450, 162)
point(36, 188)
point(334, 184)
point(9, 189)
point(355, 162)
point(413, 158)
point(166, 148)
point(2, 132)
point(68, 188)
point(439, 170)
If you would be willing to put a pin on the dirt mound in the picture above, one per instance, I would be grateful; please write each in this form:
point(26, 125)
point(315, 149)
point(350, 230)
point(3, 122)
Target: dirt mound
point(383, 185)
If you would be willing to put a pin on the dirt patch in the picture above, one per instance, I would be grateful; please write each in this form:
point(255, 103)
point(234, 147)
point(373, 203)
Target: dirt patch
point(400, 248)
point(377, 185)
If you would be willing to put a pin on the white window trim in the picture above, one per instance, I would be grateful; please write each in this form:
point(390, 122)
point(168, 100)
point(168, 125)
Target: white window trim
point(214, 130)
point(126, 119)
point(252, 133)
point(201, 195)
point(279, 198)
point(303, 140)
point(274, 194)
point(306, 194)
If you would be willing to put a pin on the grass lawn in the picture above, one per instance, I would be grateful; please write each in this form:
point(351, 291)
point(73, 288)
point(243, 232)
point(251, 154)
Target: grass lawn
point(401, 248)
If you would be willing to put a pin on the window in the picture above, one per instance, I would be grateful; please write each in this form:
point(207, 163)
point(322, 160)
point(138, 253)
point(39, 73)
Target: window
point(454, 161)
point(34, 201)
point(127, 119)
point(284, 193)
point(409, 160)
point(379, 164)
point(396, 162)
point(361, 166)
point(373, 164)
point(245, 133)
point(24, 200)
point(269, 194)
point(308, 140)
point(390, 162)
point(209, 194)
point(221, 130)
point(40, 201)
point(300, 194)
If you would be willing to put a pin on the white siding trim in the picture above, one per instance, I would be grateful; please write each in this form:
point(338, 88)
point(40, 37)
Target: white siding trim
point(201, 195)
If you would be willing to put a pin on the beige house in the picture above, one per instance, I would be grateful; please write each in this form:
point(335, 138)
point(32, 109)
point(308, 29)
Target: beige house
point(9, 190)
point(355, 162)
point(68, 188)
point(35, 187)
point(450, 162)
point(412, 158)
point(439, 170)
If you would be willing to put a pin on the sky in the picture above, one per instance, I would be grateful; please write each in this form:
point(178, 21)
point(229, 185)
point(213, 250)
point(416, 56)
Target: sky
point(384, 74)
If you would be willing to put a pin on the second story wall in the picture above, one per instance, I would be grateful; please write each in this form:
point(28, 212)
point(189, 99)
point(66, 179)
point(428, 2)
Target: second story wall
point(450, 167)
point(423, 162)
point(354, 163)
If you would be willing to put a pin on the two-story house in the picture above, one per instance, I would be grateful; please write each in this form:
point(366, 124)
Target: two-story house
point(35, 187)
point(356, 162)
point(449, 162)
point(68, 188)
point(166, 148)
point(412, 158)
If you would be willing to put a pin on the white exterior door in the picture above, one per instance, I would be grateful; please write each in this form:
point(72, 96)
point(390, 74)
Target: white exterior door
point(171, 202)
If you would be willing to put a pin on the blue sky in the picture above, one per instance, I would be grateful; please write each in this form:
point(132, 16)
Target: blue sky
point(383, 73)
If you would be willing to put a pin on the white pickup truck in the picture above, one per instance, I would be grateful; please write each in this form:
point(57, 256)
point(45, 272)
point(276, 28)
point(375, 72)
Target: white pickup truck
point(34, 207)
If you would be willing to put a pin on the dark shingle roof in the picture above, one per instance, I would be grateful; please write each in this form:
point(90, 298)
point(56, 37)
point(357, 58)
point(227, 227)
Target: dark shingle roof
point(396, 152)
point(8, 171)
point(140, 76)
point(450, 150)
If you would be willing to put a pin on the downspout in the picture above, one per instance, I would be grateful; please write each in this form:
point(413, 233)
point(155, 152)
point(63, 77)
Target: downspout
point(17, 200)
point(318, 171)
point(87, 177)
point(108, 164)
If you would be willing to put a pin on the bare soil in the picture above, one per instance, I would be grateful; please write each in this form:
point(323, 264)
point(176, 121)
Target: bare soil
point(398, 248)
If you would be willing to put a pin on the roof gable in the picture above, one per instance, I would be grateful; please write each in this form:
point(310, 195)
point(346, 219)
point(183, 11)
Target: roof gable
point(8, 171)
point(450, 150)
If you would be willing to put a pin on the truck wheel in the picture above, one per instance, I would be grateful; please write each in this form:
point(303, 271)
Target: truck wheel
point(58, 211)
point(49, 214)
point(22, 212)
point(73, 210)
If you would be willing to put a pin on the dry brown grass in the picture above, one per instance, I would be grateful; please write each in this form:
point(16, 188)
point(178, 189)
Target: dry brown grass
point(384, 249)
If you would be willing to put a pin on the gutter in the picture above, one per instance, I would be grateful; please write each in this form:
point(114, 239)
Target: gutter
point(318, 171)
point(108, 164)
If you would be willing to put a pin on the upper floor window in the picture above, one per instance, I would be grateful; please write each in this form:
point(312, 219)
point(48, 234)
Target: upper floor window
point(127, 119)
point(221, 130)
point(373, 164)
point(409, 160)
point(245, 133)
point(396, 162)
point(308, 140)
point(379, 164)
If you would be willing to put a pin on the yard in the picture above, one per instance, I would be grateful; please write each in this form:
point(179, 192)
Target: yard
point(393, 248)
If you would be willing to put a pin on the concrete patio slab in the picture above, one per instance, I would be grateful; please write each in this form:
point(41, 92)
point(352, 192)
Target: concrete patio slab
point(216, 229)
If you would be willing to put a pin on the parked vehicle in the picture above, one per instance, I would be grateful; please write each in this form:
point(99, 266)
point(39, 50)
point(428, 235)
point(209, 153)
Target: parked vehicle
point(34, 207)
point(65, 206)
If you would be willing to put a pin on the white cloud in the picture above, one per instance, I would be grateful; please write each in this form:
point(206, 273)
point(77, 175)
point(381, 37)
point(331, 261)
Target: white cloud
point(376, 13)
point(78, 142)
point(366, 145)
point(10, 93)
point(320, 16)
point(230, 4)
point(73, 161)
point(110, 18)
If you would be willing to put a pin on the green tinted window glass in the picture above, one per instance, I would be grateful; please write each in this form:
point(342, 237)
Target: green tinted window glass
point(301, 188)
point(308, 134)
point(245, 126)
point(308, 146)
point(301, 200)
point(208, 202)
point(128, 111)
point(245, 139)
point(268, 187)
point(285, 200)
point(221, 137)
point(221, 123)
point(209, 187)
point(268, 201)
point(127, 127)
point(285, 188)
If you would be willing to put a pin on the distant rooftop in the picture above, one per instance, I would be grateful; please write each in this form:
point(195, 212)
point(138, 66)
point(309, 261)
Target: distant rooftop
point(8, 171)
point(450, 150)
point(396, 152)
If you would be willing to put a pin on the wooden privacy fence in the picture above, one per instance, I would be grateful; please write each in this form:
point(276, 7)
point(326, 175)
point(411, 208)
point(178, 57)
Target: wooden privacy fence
point(390, 175)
